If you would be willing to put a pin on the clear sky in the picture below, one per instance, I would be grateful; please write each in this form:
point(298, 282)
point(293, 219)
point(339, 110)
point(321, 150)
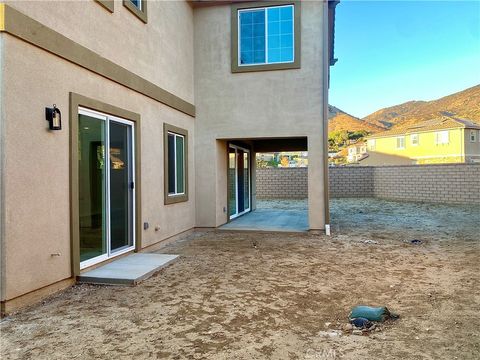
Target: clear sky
point(390, 52)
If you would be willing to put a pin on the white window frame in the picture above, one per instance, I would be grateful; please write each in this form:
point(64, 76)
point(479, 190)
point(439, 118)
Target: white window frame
point(473, 136)
point(176, 193)
point(439, 137)
point(371, 143)
point(414, 136)
point(239, 40)
point(403, 141)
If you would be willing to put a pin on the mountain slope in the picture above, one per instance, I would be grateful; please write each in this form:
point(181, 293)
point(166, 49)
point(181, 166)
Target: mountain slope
point(340, 121)
point(463, 104)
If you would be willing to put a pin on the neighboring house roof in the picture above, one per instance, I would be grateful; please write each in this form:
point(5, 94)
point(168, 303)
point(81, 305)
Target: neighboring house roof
point(358, 143)
point(441, 123)
point(381, 159)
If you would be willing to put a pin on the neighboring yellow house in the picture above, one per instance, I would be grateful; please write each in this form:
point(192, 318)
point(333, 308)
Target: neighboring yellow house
point(440, 140)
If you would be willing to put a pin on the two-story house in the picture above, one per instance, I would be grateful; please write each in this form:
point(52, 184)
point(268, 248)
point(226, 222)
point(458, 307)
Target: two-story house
point(441, 140)
point(356, 151)
point(126, 123)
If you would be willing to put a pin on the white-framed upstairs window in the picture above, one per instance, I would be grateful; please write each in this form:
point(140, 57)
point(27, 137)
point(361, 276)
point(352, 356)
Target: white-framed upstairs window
point(414, 139)
point(266, 35)
point(473, 135)
point(442, 137)
point(401, 142)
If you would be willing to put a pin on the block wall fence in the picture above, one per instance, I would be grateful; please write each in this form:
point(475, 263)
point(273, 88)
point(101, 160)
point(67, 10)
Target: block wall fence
point(439, 183)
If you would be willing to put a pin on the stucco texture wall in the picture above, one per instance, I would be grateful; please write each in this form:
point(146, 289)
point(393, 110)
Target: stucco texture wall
point(37, 163)
point(265, 104)
point(150, 50)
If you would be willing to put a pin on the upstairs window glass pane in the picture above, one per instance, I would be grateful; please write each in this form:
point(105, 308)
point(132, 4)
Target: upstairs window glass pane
point(280, 34)
point(252, 37)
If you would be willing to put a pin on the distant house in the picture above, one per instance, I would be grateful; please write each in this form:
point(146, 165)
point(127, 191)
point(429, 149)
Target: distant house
point(440, 140)
point(356, 152)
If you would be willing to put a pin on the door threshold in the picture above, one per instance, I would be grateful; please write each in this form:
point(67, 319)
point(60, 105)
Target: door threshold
point(106, 261)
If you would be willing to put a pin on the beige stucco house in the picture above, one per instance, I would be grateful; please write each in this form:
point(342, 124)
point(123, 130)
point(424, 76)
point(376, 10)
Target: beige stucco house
point(155, 112)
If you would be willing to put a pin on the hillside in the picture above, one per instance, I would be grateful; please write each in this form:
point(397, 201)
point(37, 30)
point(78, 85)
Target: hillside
point(340, 120)
point(463, 104)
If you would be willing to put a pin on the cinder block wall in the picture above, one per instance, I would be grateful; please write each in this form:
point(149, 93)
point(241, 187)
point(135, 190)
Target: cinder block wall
point(439, 183)
point(442, 183)
point(351, 181)
point(282, 183)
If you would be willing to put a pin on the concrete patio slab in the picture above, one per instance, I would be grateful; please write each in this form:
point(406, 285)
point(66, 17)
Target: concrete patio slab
point(129, 270)
point(270, 220)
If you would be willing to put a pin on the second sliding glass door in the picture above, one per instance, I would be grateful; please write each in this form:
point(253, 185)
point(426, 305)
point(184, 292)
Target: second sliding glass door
point(238, 181)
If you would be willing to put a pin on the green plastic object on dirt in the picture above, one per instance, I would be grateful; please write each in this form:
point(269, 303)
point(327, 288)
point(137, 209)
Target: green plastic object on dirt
point(371, 313)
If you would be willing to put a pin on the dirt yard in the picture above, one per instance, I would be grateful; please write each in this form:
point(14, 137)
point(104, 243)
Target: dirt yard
point(280, 296)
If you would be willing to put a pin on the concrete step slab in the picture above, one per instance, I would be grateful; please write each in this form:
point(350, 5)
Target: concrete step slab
point(128, 270)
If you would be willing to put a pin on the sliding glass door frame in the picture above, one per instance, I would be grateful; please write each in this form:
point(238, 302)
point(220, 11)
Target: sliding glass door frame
point(132, 198)
point(246, 210)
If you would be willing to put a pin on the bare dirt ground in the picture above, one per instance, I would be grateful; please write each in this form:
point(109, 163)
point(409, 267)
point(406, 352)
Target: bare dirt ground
point(280, 296)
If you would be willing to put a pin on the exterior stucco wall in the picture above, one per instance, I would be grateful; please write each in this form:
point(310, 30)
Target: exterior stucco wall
point(472, 149)
point(265, 104)
point(149, 50)
point(37, 163)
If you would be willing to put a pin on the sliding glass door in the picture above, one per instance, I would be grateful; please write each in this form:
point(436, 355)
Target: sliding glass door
point(106, 186)
point(238, 181)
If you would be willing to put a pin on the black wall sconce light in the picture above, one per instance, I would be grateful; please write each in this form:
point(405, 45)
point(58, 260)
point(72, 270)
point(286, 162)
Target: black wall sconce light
point(54, 118)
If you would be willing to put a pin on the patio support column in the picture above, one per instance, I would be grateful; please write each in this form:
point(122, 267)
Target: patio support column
point(316, 216)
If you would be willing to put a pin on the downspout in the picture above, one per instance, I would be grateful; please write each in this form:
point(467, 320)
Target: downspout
point(325, 80)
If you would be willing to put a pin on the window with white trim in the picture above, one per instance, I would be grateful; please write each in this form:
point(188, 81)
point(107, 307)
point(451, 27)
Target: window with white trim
point(266, 35)
point(401, 142)
point(371, 144)
point(473, 135)
point(176, 164)
point(414, 139)
point(442, 137)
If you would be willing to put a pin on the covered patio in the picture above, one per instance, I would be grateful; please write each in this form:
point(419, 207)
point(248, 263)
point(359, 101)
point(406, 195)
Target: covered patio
point(273, 215)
